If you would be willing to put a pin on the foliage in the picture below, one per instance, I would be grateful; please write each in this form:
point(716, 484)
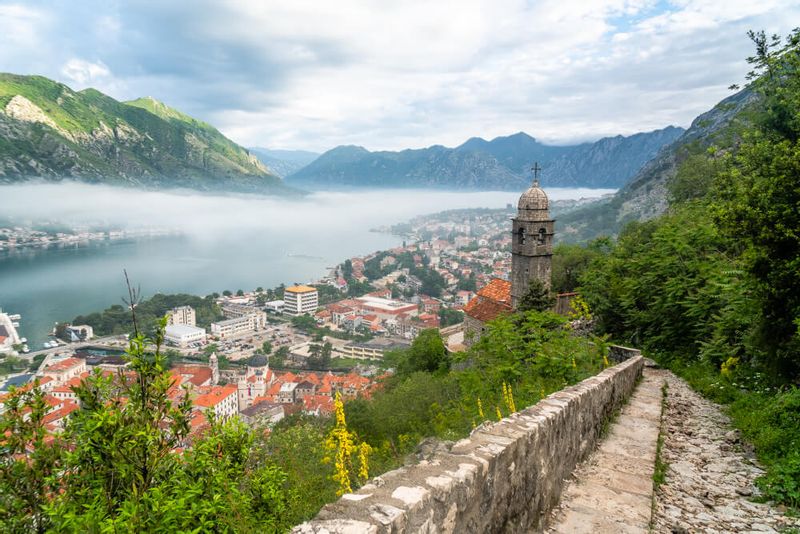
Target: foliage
point(712, 289)
point(12, 364)
point(449, 316)
point(536, 298)
point(427, 353)
point(118, 465)
point(25, 482)
point(116, 319)
point(320, 356)
point(341, 445)
point(570, 261)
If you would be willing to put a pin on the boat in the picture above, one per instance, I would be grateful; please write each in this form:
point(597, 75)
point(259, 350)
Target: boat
point(23, 340)
point(25, 349)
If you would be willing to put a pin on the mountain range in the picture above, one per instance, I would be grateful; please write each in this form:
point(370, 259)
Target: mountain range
point(500, 164)
point(284, 162)
point(646, 195)
point(51, 132)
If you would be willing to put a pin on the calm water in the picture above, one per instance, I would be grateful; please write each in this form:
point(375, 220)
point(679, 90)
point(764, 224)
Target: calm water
point(231, 242)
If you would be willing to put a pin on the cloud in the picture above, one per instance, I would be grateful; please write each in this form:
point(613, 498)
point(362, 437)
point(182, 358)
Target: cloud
point(309, 74)
point(83, 73)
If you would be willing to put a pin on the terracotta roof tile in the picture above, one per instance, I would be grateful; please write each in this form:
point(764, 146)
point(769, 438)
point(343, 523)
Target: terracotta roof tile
point(498, 290)
point(486, 310)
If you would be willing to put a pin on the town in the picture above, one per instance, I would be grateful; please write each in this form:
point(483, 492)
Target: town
point(273, 353)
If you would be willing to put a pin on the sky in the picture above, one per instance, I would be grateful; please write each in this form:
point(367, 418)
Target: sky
point(388, 75)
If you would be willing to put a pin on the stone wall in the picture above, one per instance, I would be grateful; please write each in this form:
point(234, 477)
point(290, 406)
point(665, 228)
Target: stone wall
point(505, 477)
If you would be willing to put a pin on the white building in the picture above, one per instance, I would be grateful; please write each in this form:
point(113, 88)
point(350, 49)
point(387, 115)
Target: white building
point(275, 306)
point(239, 325)
point(219, 399)
point(182, 315)
point(299, 300)
point(8, 333)
point(183, 335)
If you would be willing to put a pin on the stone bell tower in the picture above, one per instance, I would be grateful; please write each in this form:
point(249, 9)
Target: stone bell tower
point(532, 245)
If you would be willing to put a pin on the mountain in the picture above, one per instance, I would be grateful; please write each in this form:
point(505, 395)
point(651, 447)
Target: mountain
point(502, 163)
point(284, 162)
point(49, 131)
point(646, 195)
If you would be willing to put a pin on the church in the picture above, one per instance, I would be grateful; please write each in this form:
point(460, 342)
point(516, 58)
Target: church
point(531, 258)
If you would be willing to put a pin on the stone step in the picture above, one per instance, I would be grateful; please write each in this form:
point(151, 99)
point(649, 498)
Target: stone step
point(612, 491)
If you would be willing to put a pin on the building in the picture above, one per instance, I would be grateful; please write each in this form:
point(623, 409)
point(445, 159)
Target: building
point(275, 306)
point(299, 300)
point(61, 371)
point(240, 325)
point(531, 258)
point(78, 332)
point(182, 335)
point(532, 245)
point(234, 311)
point(385, 308)
point(8, 332)
point(262, 414)
point(219, 399)
point(184, 315)
point(372, 350)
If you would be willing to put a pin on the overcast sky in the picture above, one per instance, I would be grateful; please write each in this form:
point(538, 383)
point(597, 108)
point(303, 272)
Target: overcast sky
point(393, 74)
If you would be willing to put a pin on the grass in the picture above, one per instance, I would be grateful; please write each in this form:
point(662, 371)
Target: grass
point(660, 472)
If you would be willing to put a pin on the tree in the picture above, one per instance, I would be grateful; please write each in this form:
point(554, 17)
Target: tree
point(266, 348)
point(29, 464)
point(448, 317)
point(226, 293)
point(537, 298)
point(758, 199)
point(427, 353)
point(239, 293)
point(278, 359)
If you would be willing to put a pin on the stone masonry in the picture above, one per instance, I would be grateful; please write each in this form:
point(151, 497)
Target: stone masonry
point(506, 477)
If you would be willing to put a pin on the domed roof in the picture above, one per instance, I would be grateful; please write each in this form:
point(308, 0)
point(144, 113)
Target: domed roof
point(533, 199)
point(257, 360)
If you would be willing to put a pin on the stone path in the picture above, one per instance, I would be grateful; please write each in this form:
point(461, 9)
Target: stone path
point(709, 477)
point(612, 491)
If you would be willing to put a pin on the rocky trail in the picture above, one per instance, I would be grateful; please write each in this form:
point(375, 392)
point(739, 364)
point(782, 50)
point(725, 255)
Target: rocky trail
point(709, 473)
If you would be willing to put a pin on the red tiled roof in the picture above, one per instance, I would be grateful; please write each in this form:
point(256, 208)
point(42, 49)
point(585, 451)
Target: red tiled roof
point(498, 290)
point(215, 396)
point(485, 309)
point(197, 374)
point(64, 365)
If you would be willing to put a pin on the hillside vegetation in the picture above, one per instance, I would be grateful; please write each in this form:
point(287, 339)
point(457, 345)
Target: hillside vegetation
point(712, 287)
point(646, 195)
point(49, 131)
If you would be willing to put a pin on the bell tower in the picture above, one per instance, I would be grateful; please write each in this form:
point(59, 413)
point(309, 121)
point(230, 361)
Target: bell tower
point(532, 240)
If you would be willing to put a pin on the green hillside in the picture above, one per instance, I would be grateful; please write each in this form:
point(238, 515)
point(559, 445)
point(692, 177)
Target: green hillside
point(49, 131)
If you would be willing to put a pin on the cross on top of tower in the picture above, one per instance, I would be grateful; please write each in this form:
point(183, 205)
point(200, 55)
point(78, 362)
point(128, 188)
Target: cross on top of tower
point(536, 170)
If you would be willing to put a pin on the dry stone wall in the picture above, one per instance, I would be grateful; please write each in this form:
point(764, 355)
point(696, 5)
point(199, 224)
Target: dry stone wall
point(505, 477)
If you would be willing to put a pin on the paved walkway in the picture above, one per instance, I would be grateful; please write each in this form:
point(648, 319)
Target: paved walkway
point(612, 491)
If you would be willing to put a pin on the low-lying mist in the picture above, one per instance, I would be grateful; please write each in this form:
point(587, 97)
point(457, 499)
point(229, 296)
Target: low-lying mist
point(208, 216)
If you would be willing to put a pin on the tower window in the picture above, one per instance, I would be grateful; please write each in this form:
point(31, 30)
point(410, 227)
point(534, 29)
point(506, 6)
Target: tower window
point(542, 233)
point(521, 236)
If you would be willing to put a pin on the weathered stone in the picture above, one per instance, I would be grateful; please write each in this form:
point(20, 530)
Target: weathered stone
point(504, 478)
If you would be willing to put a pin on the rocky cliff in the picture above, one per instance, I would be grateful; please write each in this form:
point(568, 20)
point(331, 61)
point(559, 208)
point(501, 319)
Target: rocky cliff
point(51, 132)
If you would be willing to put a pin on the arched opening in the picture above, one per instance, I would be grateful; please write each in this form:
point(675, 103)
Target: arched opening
point(542, 235)
point(521, 236)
